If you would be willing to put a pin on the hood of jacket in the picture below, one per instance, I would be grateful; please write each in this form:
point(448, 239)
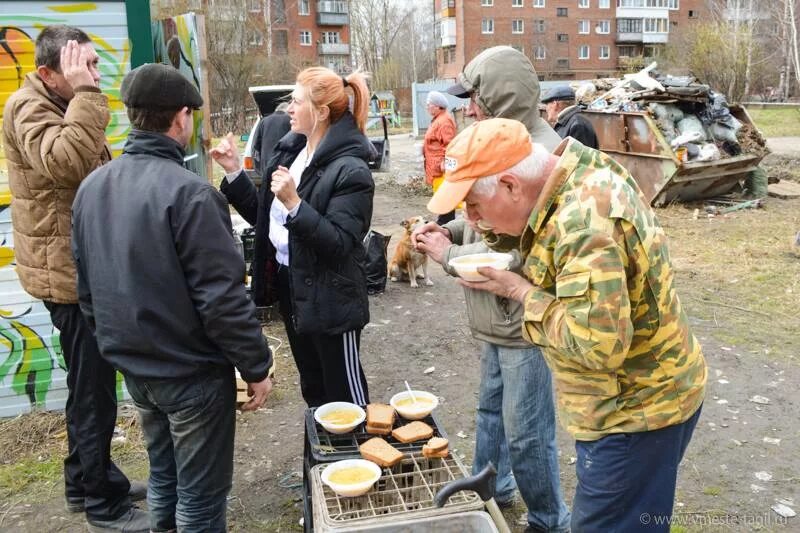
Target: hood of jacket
point(505, 85)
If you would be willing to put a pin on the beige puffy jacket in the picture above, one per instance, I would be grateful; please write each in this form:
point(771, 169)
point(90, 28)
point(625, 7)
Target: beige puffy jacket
point(50, 147)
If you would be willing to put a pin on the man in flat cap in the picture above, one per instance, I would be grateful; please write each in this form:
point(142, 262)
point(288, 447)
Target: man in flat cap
point(54, 135)
point(161, 282)
point(565, 116)
point(438, 135)
point(599, 298)
point(515, 427)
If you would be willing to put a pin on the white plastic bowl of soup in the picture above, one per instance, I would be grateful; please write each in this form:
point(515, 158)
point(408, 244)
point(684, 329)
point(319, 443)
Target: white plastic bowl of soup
point(467, 265)
point(339, 417)
point(351, 477)
point(416, 408)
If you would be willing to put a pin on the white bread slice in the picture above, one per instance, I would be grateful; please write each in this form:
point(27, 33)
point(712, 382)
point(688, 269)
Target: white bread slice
point(413, 432)
point(380, 452)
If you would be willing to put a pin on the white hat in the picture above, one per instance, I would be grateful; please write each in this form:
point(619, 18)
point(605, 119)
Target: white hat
point(438, 99)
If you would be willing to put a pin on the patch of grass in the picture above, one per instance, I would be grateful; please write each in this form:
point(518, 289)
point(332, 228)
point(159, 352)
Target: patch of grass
point(31, 473)
point(736, 277)
point(712, 491)
point(777, 122)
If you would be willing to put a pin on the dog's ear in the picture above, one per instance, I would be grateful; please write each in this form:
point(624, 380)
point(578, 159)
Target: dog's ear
point(404, 223)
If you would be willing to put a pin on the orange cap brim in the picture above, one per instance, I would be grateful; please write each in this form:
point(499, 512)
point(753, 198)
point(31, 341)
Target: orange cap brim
point(449, 195)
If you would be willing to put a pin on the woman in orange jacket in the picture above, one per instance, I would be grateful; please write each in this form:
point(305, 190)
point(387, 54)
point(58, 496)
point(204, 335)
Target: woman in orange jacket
point(439, 134)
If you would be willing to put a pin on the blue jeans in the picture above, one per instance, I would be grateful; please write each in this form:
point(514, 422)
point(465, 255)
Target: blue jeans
point(188, 426)
point(516, 431)
point(626, 481)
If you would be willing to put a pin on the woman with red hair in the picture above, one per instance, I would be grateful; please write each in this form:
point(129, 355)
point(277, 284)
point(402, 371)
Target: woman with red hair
point(310, 222)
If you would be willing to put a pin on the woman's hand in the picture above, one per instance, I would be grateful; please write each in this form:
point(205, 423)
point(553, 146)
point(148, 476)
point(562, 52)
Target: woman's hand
point(282, 186)
point(227, 155)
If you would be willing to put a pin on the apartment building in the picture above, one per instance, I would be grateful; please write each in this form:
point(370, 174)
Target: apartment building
point(307, 32)
point(313, 32)
point(565, 39)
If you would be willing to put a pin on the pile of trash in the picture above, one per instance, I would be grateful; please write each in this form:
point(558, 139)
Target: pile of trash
point(693, 118)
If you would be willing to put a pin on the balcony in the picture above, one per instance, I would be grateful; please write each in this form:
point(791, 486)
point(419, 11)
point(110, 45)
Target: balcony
point(629, 37)
point(448, 32)
point(333, 49)
point(332, 13)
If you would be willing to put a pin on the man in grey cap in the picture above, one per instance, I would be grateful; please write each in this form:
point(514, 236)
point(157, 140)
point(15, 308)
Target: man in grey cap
point(566, 118)
point(516, 415)
point(161, 283)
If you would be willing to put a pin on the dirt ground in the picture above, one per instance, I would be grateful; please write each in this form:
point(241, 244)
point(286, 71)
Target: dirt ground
point(744, 455)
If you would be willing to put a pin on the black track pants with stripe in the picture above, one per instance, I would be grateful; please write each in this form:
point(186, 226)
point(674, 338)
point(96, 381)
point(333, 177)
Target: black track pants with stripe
point(329, 365)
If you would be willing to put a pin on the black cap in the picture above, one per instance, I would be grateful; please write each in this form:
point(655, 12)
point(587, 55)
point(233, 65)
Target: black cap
point(157, 86)
point(560, 93)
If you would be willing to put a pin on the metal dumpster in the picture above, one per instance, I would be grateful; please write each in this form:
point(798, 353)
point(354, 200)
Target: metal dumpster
point(636, 142)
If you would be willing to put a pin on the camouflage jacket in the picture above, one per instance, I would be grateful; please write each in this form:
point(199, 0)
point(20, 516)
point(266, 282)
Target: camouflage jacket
point(604, 307)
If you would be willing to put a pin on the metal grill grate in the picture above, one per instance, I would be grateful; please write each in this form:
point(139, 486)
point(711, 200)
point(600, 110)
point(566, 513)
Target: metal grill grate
point(405, 490)
point(327, 447)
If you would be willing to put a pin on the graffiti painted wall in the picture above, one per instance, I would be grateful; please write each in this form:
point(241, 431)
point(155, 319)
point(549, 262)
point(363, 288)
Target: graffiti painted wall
point(31, 365)
point(177, 42)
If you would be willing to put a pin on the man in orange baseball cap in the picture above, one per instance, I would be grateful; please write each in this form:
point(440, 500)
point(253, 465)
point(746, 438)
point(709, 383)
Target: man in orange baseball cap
point(599, 299)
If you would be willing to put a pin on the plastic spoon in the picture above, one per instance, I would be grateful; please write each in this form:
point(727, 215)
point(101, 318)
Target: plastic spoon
point(408, 387)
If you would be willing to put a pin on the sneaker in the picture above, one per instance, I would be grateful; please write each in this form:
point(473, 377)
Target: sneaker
point(134, 521)
point(137, 492)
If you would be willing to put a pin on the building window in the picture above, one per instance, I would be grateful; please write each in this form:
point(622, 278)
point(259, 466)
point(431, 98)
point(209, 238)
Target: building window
point(583, 27)
point(562, 37)
point(583, 3)
point(604, 4)
point(604, 52)
point(487, 3)
point(253, 5)
point(670, 4)
point(539, 53)
point(562, 63)
point(629, 25)
point(517, 26)
point(561, 12)
point(673, 4)
point(330, 37)
point(305, 38)
point(538, 3)
point(692, 14)
point(627, 51)
point(302, 7)
point(656, 25)
point(516, 3)
point(255, 38)
point(538, 26)
point(603, 26)
point(583, 51)
point(487, 26)
point(450, 54)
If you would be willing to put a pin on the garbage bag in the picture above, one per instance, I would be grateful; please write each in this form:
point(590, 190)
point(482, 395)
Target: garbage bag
point(725, 129)
point(692, 124)
point(666, 111)
point(377, 246)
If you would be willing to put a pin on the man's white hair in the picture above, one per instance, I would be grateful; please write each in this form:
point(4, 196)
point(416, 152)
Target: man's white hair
point(530, 168)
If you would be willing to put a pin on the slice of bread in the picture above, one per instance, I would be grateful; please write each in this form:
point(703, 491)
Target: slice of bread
point(380, 415)
point(441, 454)
point(436, 447)
point(437, 444)
point(413, 432)
point(380, 452)
point(378, 430)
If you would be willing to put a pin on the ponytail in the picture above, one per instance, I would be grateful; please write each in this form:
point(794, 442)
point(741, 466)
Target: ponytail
point(357, 81)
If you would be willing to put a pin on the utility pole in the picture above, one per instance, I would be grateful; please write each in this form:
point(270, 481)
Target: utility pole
point(268, 25)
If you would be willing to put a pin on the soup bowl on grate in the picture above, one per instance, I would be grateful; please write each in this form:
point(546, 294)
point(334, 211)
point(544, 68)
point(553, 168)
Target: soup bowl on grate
point(351, 477)
point(410, 409)
point(339, 417)
point(466, 266)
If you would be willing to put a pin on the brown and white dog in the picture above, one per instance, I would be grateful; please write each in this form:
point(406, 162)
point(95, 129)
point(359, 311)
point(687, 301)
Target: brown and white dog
point(408, 263)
